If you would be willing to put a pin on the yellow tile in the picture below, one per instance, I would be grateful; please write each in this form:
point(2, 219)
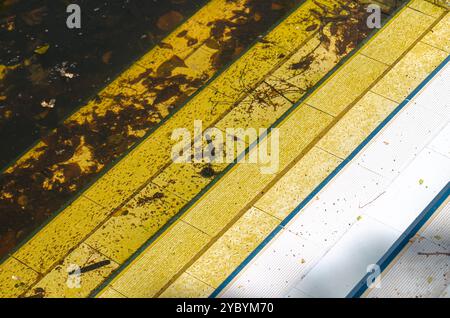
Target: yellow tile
point(287, 193)
point(273, 48)
point(200, 62)
point(15, 278)
point(187, 286)
point(349, 82)
point(61, 281)
point(426, 7)
point(357, 124)
point(299, 130)
point(243, 76)
point(299, 24)
point(197, 27)
point(150, 156)
point(303, 69)
point(186, 180)
point(154, 268)
point(230, 250)
point(132, 225)
point(398, 35)
point(439, 36)
point(260, 109)
point(245, 181)
point(66, 230)
point(111, 293)
point(409, 72)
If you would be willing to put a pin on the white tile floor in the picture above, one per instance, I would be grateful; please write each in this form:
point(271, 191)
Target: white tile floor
point(414, 275)
point(326, 248)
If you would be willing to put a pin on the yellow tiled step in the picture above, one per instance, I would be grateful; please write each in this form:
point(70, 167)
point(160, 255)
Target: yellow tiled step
point(138, 208)
point(225, 209)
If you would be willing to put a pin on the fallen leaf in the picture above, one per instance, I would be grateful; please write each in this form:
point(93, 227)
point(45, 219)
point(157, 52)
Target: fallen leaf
point(106, 57)
point(276, 6)
point(165, 45)
point(169, 20)
point(311, 27)
point(34, 17)
point(42, 49)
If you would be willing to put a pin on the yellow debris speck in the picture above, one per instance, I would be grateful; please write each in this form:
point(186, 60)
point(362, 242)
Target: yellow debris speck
point(42, 49)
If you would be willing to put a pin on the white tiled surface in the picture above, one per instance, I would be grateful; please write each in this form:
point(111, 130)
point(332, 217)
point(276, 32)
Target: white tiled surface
point(287, 259)
point(441, 143)
point(412, 191)
point(343, 266)
point(327, 217)
point(394, 149)
point(435, 95)
point(355, 219)
point(438, 231)
point(445, 293)
point(414, 275)
point(295, 293)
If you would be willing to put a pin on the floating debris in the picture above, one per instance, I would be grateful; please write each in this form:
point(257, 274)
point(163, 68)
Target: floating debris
point(91, 267)
point(49, 104)
point(169, 20)
point(63, 70)
point(42, 49)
